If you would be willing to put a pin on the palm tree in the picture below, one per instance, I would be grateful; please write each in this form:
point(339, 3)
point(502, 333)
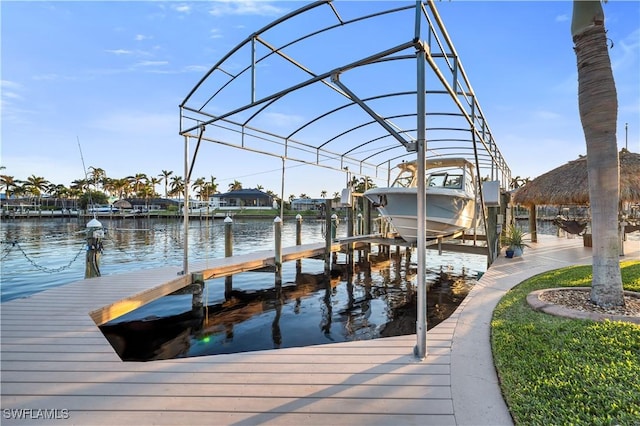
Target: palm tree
point(165, 176)
point(81, 185)
point(137, 182)
point(36, 185)
point(323, 193)
point(9, 183)
point(97, 176)
point(153, 181)
point(235, 185)
point(198, 186)
point(120, 187)
point(59, 191)
point(176, 188)
point(598, 104)
point(259, 187)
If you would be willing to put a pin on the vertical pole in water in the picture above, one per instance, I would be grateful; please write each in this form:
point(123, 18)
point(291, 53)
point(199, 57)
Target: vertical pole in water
point(298, 241)
point(533, 223)
point(228, 252)
point(197, 282)
point(277, 227)
point(327, 238)
point(298, 229)
point(95, 234)
point(420, 351)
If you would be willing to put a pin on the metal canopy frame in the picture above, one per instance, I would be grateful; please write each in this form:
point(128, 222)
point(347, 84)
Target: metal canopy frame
point(375, 99)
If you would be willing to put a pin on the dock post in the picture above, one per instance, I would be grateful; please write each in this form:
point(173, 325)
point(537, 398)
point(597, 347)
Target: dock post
point(228, 252)
point(298, 229)
point(197, 281)
point(327, 252)
point(298, 241)
point(277, 228)
point(533, 223)
point(350, 233)
point(334, 226)
point(492, 235)
point(95, 234)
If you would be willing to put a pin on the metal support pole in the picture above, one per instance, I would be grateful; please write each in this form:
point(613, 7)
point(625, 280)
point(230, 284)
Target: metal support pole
point(228, 252)
point(327, 251)
point(277, 230)
point(420, 351)
point(185, 209)
point(298, 241)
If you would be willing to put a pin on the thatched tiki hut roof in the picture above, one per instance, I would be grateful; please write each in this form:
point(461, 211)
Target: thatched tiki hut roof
point(568, 184)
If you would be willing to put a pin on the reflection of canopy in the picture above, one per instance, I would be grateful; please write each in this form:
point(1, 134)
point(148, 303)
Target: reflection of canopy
point(568, 184)
point(122, 204)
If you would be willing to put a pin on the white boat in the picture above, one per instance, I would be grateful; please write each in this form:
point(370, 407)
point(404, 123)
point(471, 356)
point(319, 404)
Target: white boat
point(450, 198)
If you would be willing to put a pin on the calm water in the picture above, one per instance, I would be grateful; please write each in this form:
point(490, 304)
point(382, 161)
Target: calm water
point(372, 301)
point(50, 252)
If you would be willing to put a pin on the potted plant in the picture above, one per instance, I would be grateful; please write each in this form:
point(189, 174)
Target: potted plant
point(513, 238)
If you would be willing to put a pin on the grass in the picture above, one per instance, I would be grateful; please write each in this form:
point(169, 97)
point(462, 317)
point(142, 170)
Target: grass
point(559, 371)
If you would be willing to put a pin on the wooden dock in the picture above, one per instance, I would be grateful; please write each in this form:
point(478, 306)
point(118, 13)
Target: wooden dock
point(129, 297)
point(57, 365)
point(57, 368)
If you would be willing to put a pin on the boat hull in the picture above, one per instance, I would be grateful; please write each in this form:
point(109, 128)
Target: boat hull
point(447, 210)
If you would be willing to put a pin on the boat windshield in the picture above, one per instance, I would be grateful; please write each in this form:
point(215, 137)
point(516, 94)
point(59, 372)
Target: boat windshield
point(404, 179)
point(445, 180)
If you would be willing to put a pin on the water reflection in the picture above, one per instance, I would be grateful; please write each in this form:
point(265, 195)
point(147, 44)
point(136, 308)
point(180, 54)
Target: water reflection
point(375, 299)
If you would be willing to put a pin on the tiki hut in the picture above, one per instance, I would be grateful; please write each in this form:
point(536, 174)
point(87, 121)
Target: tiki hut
point(122, 204)
point(568, 184)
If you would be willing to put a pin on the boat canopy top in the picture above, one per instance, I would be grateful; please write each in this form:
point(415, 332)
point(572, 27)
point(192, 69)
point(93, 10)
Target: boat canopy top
point(281, 92)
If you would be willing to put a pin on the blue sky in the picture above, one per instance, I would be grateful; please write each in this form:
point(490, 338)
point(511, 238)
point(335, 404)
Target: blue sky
point(112, 74)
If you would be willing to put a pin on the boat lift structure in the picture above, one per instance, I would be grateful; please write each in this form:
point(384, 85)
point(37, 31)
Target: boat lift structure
point(367, 100)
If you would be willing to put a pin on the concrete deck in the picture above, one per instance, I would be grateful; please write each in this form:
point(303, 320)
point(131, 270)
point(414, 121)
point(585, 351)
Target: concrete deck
point(57, 368)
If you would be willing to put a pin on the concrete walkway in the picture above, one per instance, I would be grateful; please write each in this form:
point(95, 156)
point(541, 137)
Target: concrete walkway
point(57, 367)
point(475, 390)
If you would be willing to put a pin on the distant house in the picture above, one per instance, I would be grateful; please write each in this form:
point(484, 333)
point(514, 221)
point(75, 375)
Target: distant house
point(243, 198)
point(299, 204)
point(152, 203)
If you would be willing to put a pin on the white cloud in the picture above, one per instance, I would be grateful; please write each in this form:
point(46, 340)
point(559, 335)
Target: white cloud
point(182, 8)
point(215, 33)
point(150, 63)
point(244, 7)
point(562, 18)
point(141, 37)
point(547, 115)
point(120, 51)
point(196, 68)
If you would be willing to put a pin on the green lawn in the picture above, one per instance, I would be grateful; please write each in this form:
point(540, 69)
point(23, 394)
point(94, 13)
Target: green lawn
point(559, 371)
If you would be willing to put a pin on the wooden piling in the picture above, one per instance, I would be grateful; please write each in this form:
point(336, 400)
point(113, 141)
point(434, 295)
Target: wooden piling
point(328, 240)
point(95, 234)
point(298, 240)
point(533, 221)
point(228, 252)
point(197, 282)
point(277, 228)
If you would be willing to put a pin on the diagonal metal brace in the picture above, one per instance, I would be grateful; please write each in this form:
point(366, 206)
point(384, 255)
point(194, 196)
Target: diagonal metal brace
point(410, 146)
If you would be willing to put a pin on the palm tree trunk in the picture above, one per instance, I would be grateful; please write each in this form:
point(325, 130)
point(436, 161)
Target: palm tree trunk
point(598, 104)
